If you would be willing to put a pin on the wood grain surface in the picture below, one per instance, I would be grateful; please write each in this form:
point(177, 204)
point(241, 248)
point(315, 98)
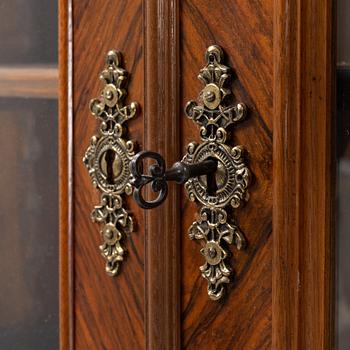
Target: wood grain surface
point(281, 295)
point(303, 254)
point(66, 262)
point(109, 312)
point(244, 30)
point(162, 131)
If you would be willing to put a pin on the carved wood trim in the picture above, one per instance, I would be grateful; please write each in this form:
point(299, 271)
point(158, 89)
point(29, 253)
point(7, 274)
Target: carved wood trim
point(65, 177)
point(302, 175)
point(162, 135)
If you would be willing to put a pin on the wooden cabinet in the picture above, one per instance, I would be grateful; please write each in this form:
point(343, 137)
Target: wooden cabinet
point(280, 296)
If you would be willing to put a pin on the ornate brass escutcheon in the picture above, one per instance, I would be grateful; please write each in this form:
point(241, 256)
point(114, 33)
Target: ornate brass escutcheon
point(107, 160)
point(231, 178)
point(214, 173)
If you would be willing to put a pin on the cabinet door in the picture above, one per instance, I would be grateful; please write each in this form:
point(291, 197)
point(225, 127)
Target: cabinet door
point(279, 291)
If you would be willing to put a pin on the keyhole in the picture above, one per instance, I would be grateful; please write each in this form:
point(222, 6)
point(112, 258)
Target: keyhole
point(215, 181)
point(110, 157)
point(212, 186)
point(111, 166)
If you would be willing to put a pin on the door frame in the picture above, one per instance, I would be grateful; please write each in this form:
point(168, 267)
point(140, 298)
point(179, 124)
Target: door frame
point(65, 163)
point(303, 175)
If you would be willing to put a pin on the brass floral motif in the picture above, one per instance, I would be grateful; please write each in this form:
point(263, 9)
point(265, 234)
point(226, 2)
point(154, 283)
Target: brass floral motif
point(116, 220)
point(107, 160)
point(229, 185)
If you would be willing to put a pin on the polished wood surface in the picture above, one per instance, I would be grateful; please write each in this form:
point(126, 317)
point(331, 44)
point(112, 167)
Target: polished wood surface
point(244, 30)
point(303, 163)
point(281, 290)
point(162, 131)
point(65, 146)
point(108, 312)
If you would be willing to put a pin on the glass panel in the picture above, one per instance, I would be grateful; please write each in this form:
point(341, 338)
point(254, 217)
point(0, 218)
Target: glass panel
point(28, 175)
point(343, 179)
point(28, 216)
point(28, 30)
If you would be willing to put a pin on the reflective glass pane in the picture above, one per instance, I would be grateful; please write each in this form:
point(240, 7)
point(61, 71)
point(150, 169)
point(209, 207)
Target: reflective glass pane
point(28, 175)
point(28, 217)
point(28, 30)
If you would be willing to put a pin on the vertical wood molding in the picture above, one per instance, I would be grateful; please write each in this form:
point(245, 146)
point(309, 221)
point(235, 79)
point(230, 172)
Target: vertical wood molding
point(65, 177)
point(162, 126)
point(302, 173)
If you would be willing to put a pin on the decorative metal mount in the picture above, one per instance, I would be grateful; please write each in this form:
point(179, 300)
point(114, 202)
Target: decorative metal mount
point(232, 176)
point(107, 160)
point(214, 173)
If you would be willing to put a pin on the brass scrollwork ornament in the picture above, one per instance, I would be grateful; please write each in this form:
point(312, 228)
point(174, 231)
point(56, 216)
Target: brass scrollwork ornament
point(107, 160)
point(231, 178)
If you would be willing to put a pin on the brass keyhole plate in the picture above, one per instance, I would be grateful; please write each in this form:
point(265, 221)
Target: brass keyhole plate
point(107, 160)
point(228, 188)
